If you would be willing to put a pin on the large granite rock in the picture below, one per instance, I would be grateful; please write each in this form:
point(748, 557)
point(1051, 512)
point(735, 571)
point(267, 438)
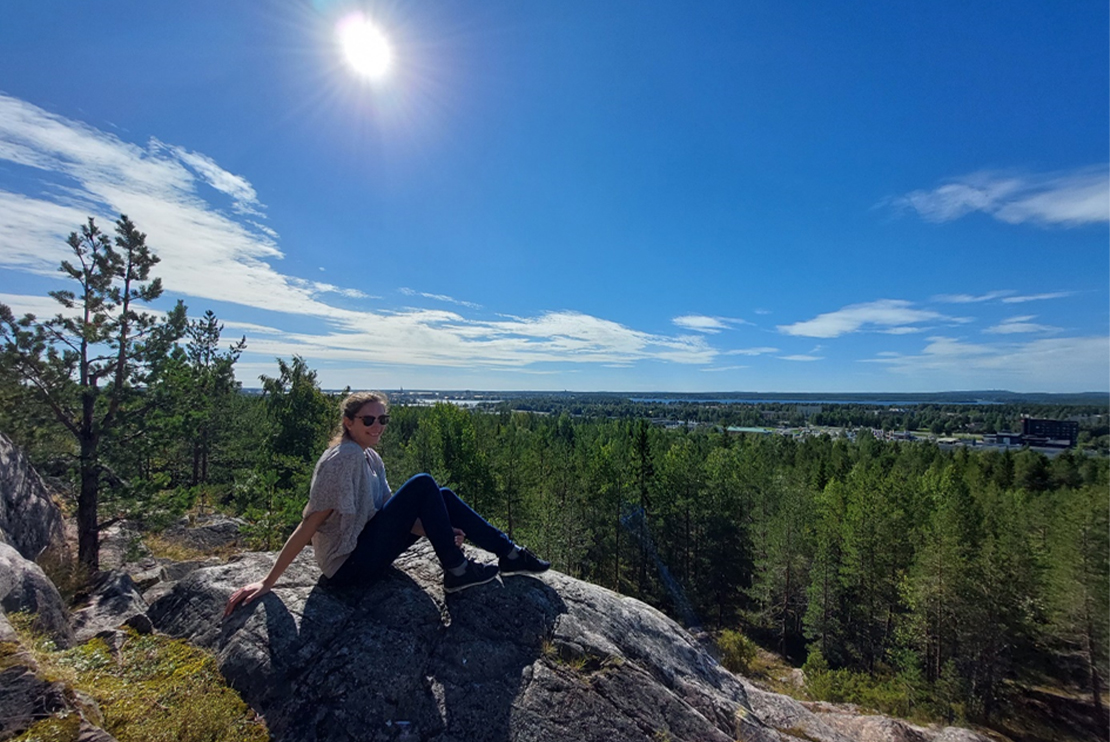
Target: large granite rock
point(24, 587)
point(26, 697)
point(527, 659)
point(113, 602)
point(29, 519)
point(524, 659)
point(829, 722)
point(205, 533)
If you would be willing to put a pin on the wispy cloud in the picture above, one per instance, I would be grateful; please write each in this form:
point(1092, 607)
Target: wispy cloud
point(1016, 325)
point(750, 351)
point(893, 316)
point(1036, 297)
point(802, 357)
point(210, 253)
point(1068, 198)
point(708, 325)
point(440, 297)
point(1047, 364)
point(970, 298)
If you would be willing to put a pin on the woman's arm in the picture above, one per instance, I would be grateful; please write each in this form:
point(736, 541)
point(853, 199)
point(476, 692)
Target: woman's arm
point(296, 542)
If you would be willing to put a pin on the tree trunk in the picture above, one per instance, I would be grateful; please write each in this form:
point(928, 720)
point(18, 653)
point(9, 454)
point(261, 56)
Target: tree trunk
point(88, 533)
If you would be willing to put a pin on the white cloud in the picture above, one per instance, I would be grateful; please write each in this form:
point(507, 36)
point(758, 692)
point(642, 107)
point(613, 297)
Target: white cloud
point(210, 254)
point(970, 298)
point(1070, 198)
point(708, 325)
point(440, 297)
point(242, 192)
point(1047, 364)
point(885, 315)
point(700, 323)
point(1036, 297)
point(750, 351)
point(802, 358)
point(1016, 325)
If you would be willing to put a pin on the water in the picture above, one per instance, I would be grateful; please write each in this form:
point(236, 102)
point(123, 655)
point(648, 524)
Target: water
point(768, 400)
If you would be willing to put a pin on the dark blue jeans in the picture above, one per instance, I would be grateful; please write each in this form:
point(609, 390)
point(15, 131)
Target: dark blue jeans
point(389, 532)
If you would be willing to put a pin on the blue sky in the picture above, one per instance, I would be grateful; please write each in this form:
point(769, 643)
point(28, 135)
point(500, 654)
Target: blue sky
point(640, 195)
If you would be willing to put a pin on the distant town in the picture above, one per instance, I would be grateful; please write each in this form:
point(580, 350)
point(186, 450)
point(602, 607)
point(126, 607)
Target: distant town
point(1048, 423)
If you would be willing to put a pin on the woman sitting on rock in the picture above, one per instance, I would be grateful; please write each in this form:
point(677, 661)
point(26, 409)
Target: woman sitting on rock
point(357, 526)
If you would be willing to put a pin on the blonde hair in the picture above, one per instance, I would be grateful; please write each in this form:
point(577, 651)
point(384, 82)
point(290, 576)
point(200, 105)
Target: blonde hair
point(349, 407)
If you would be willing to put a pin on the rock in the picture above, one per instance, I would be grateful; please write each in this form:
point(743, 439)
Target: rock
point(29, 519)
point(24, 587)
point(114, 602)
point(90, 733)
point(121, 544)
point(524, 659)
point(828, 722)
point(174, 571)
point(7, 633)
point(25, 698)
point(205, 533)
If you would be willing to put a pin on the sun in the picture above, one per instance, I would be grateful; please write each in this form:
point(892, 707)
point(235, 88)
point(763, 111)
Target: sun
point(365, 47)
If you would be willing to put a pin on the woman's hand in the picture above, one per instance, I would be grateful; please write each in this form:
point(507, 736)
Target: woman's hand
point(245, 595)
point(459, 537)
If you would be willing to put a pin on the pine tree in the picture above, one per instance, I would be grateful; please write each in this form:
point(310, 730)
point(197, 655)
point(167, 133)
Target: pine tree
point(91, 363)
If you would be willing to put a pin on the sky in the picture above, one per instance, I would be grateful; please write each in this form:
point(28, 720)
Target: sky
point(632, 195)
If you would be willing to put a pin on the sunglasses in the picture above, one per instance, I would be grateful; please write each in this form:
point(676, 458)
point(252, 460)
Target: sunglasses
point(368, 420)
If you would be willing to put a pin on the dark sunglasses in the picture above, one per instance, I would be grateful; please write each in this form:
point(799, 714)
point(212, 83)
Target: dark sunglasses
point(368, 420)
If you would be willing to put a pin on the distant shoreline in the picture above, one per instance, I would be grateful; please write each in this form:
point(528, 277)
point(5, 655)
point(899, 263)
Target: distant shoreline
point(984, 397)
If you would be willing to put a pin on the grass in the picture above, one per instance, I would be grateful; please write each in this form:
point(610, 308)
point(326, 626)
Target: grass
point(149, 689)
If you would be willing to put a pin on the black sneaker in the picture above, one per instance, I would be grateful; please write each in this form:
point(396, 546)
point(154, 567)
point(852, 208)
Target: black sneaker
point(475, 574)
point(526, 563)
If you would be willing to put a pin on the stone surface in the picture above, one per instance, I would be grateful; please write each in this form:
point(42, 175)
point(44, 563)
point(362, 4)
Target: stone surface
point(205, 532)
point(25, 698)
point(829, 722)
point(29, 519)
point(7, 633)
point(91, 733)
point(524, 659)
point(114, 602)
point(24, 587)
point(121, 544)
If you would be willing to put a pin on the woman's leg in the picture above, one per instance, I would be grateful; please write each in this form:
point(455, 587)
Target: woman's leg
point(480, 532)
point(389, 532)
point(513, 560)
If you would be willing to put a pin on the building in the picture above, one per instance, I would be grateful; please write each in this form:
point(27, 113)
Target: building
point(1055, 433)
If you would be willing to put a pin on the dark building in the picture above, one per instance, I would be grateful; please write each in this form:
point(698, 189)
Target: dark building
point(1062, 433)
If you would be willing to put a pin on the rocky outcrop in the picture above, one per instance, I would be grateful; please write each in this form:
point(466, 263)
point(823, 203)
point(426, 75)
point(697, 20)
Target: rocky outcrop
point(24, 587)
point(536, 659)
point(828, 722)
point(26, 697)
point(113, 603)
point(29, 519)
point(524, 659)
point(205, 533)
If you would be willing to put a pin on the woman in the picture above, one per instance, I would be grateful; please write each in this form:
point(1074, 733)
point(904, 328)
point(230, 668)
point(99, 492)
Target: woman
point(357, 526)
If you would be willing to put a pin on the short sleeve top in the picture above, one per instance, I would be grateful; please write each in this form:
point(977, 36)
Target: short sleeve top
point(349, 481)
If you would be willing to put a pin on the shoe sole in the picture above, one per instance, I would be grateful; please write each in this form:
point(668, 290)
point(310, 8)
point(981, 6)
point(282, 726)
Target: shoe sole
point(522, 572)
point(460, 588)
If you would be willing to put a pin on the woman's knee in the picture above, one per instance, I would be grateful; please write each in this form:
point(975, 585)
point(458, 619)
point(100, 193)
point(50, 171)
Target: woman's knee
point(423, 483)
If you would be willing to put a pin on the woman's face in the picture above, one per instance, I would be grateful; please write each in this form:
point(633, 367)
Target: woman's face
point(364, 435)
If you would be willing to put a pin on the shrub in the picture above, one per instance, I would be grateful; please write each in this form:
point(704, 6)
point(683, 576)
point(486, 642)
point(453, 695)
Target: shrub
point(737, 651)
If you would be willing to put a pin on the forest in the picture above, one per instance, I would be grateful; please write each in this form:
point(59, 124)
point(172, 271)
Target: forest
point(922, 581)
